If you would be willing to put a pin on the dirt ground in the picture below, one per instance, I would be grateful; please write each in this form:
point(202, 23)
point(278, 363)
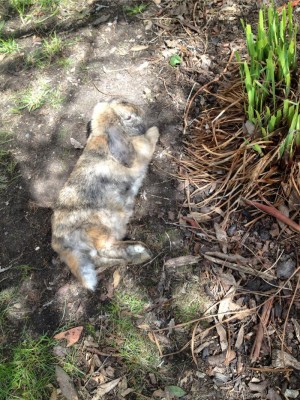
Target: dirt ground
point(111, 54)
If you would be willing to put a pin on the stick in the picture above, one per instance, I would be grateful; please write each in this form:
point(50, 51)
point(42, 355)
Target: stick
point(275, 213)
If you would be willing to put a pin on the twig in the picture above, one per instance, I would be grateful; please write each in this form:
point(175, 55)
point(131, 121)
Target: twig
point(238, 267)
point(275, 213)
point(261, 329)
point(288, 313)
point(271, 370)
point(157, 344)
point(5, 269)
point(100, 353)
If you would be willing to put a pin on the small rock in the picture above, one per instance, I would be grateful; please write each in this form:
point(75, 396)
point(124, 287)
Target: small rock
point(291, 394)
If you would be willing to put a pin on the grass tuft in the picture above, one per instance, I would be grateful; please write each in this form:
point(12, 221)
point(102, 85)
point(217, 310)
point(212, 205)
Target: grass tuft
point(139, 353)
point(137, 9)
point(26, 370)
point(8, 46)
point(37, 96)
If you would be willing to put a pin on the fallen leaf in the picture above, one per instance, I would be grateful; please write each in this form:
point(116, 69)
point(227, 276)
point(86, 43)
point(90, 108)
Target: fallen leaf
point(248, 128)
point(273, 395)
point(221, 237)
point(72, 335)
point(65, 383)
point(217, 359)
point(158, 393)
point(240, 338)
point(126, 392)
point(281, 359)
point(296, 328)
point(139, 47)
point(199, 217)
point(181, 261)
point(285, 211)
point(145, 327)
point(230, 356)
point(175, 391)
point(105, 388)
point(76, 144)
point(117, 279)
point(223, 337)
point(258, 387)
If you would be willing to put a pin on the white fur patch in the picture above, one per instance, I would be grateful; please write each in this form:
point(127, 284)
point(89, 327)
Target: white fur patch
point(93, 253)
point(136, 249)
point(89, 276)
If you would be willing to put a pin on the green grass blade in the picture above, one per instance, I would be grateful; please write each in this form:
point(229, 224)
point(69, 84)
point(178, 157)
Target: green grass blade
point(283, 25)
point(290, 19)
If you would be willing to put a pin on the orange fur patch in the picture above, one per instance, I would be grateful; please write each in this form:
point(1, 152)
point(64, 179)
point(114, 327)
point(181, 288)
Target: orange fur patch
point(99, 239)
point(97, 142)
point(72, 262)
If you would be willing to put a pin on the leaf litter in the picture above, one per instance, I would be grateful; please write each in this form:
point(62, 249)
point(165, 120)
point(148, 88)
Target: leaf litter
point(237, 287)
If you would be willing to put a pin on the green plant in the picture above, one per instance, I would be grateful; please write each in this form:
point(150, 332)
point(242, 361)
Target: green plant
point(175, 60)
point(35, 97)
point(134, 10)
point(20, 5)
point(132, 344)
point(27, 369)
point(65, 62)
point(52, 46)
point(43, 56)
point(8, 46)
point(25, 270)
point(272, 103)
point(69, 363)
point(48, 4)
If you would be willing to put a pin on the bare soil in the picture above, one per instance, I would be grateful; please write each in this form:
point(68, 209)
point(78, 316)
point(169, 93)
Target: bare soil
point(112, 54)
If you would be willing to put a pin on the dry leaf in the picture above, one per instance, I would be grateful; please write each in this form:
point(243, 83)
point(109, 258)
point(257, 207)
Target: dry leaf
point(227, 306)
point(145, 327)
point(296, 328)
point(139, 47)
point(65, 383)
point(221, 236)
point(201, 347)
point(230, 356)
point(199, 217)
point(217, 359)
point(240, 338)
point(181, 261)
point(285, 211)
point(105, 388)
point(151, 337)
point(72, 335)
point(76, 144)
point(223, 337)
point(117, 279)
point(281, 359)
point(258, 387)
